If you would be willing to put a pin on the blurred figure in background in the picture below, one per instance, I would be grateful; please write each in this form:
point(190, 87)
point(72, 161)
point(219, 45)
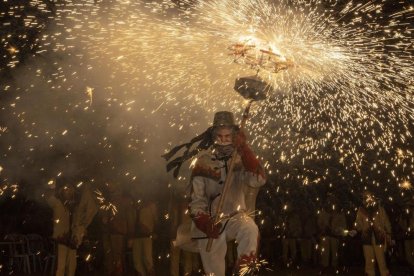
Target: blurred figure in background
point(120, 225)
point(71, 217)
point(373, 223)
point(308, 241)
point(332, 226)
point(406, 223)
point(190, 261)
point(146, 218)
point(339, 229)
point(293, 232)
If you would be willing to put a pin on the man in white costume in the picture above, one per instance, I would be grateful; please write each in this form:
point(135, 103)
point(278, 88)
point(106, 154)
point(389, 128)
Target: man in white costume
point(207, 181)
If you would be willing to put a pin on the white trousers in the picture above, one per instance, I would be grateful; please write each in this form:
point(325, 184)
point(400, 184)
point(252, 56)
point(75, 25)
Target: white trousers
point(66, 261)
point(329, 247)
point(375, 254)
point(142, 256)
point(244, 230)
point(306, 250)
point(289, 246)
point(409, 251)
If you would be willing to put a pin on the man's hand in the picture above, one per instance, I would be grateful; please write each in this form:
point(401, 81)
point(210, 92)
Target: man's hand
point(206, 224)
point(352, 233)
point(249, 160)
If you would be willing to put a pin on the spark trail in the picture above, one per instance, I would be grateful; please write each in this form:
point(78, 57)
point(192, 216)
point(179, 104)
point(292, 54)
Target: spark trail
point(347, 100)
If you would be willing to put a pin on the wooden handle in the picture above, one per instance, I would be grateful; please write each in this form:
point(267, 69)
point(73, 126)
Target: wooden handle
point(229, 177)
point(209, 244)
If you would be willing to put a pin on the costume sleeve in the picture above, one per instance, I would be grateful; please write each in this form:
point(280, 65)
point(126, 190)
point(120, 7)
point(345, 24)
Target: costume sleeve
point(320, 222)
point(131, 218)
point(401, 223)
point(85, 212)
point(155, 213)
point(52, 201)
point(343, 223)
point(250, 162)
point(254, 180)
point(359, 220)
point(199, 201)
point(386, 221)
point(87, 209)
point(340, 225)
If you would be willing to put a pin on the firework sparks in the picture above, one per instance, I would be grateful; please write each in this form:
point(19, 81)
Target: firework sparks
point(104, 203)
point(88, 258)
point(89, 93)
point(252, 267)
point(329, 70)
point(406, 185)
point(346, 96)
point(261, 59)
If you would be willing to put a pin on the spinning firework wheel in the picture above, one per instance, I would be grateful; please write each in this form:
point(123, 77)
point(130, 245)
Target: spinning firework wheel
point(259, 59)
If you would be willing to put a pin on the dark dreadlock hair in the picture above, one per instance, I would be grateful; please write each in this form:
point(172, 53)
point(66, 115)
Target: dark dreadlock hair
point(206, 140)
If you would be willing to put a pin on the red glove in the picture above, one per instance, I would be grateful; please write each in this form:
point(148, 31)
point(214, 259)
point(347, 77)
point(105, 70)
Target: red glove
point(239, 140)
point(250, 162)
point(206, 224)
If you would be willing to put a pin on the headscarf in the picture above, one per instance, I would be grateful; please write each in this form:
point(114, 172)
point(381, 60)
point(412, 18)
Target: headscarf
point(205, 141)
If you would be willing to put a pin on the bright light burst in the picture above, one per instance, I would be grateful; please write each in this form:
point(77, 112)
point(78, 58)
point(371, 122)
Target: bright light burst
point(346, 97)
point(252, 268)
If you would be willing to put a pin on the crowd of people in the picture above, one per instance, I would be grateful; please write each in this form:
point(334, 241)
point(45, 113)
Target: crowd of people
point(333, 239)
point(219, 231)
point(126, 222)
point(136, 230)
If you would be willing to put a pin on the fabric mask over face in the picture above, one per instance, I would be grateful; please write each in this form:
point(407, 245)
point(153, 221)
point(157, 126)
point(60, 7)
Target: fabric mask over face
point(223, 151)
